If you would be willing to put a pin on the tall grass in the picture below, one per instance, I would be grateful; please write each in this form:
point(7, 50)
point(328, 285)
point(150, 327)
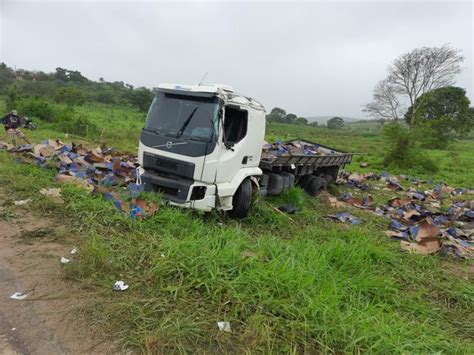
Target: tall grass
point(285, 285)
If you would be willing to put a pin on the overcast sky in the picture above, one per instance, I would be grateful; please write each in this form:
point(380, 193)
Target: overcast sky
point(311, 58)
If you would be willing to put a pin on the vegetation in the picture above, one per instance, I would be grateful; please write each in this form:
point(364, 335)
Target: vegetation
point(279, 115)
point(335, 123)
point(70, 87)
point(441, 115)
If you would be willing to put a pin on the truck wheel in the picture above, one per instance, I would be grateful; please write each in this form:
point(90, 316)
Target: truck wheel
point(314, 185)
point(242, 200)
point(329, 179)
point(275, 184)
point(304, 181)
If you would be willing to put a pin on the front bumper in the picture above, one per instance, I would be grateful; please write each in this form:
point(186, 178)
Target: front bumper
point(179, 191)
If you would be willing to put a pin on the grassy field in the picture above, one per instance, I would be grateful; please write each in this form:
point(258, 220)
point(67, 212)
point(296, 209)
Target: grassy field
point(286, 284)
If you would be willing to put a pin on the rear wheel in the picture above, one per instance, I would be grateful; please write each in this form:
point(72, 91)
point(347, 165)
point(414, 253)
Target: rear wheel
point(329, 179)
point(242, 200)
point(314, 185)
point(304, 181)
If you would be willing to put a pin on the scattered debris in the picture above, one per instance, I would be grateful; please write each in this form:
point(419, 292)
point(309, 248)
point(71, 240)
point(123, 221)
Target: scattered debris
point(345, 217)
point(19, 296)
point(224, 326)
point(53, 193)
point(99, 170)
point(425, 247)
point(120, 286)
point(288, 208)
point(64, 260)
point(415, 215)
point(5, 145)
point(22, 202)
point(73, 251)
point(364, 165)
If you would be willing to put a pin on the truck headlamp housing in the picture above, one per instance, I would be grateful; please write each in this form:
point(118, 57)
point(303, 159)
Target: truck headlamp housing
point(198, 192)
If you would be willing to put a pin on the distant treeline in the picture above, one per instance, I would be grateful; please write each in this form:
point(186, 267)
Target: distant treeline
point(27, 90)
point(71, 87)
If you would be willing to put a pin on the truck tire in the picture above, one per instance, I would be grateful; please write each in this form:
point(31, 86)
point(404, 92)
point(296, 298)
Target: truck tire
point(289, 179)
point(324, 183)
point(329, 179)
point(275, 184)
point(314, 185)
point(304, 181)
point(333, 171)
point(242, 200)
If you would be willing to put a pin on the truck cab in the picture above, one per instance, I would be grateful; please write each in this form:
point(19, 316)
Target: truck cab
point(201, 146)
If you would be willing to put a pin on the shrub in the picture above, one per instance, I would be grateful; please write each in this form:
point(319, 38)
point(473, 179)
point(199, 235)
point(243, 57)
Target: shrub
point(35, 107)
point(68, 121)
point(11, 97)
point(403, 148)
point(335, 123)
point(70, 96)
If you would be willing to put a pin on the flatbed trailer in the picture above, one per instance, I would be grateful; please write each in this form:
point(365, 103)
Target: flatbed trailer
point(311, 172)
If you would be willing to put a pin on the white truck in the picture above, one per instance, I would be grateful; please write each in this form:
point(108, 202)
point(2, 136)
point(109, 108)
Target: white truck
point(201, 147)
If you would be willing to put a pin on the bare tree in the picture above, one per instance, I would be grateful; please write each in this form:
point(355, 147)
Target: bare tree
point(386, 102)
point(413, 74)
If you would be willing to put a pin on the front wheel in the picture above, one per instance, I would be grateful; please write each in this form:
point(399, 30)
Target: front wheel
point(242, 200)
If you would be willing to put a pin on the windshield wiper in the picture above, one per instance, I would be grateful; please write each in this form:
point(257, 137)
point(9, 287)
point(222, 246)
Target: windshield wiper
point(185, 123)
point(194, 138)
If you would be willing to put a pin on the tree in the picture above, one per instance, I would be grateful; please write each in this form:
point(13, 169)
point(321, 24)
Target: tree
point(141, 98)
point(440, 114)
point(70, 96)
point(61, 74)
point(276, 115)
point(12, 97)
point(412, 75)
point(301, 120)
point(290, 118)
point(386, 104)
point(335, 123)
point(76, 77)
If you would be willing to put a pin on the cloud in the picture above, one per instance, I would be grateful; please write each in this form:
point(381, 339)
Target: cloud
point(315, 58)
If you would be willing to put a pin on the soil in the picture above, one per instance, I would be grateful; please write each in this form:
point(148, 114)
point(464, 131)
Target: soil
point(48, 320)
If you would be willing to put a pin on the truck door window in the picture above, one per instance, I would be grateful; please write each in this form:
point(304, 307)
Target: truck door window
point(235, 124)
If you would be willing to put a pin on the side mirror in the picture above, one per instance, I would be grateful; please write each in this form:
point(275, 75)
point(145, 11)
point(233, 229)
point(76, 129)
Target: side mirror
point(229, 146)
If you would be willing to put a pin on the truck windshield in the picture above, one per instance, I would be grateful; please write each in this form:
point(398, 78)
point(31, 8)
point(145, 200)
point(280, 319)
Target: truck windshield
point(184, 116)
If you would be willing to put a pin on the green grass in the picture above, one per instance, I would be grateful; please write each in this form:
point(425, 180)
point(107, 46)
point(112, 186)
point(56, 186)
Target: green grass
point(295, 283)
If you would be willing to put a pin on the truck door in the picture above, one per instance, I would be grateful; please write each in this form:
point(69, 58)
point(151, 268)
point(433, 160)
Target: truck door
point(237, 151)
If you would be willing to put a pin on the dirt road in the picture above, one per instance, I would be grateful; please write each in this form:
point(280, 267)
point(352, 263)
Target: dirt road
point(47, 321)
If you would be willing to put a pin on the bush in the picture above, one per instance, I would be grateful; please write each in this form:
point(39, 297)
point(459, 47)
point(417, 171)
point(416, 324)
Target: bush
point(403, 148)
point(69, 96)
point(35, 107)
point(11, 97)
point(68, 121)
point(335, 123)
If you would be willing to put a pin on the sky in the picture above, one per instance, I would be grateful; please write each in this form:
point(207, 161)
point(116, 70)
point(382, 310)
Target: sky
point(309, 58)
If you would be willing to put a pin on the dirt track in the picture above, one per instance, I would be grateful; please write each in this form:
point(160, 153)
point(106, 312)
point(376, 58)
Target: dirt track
point(47, 321)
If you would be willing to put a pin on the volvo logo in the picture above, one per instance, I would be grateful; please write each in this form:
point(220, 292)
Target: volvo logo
point(169, 144)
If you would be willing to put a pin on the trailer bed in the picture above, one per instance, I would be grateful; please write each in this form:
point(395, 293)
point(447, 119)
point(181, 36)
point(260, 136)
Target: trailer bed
point(329, 157)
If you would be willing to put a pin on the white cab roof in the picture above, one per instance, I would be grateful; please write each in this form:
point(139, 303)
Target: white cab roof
point(215, 88)
point(224, 91)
